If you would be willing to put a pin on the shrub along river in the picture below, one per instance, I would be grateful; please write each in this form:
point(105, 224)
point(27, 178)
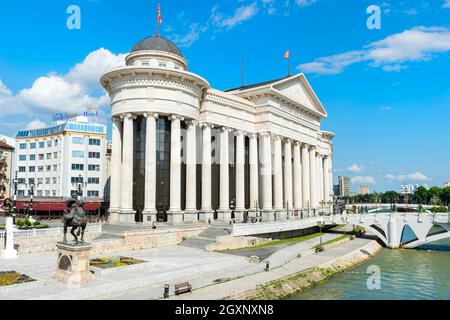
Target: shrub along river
point(422, 274)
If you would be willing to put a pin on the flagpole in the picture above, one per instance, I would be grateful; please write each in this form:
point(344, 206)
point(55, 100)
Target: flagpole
point(289, 63)
point(243, 70)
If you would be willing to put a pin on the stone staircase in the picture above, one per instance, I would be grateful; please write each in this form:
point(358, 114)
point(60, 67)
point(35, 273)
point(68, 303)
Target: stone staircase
point(208, 236)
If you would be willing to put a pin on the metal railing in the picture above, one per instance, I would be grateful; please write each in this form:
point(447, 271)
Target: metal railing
point(47, 232)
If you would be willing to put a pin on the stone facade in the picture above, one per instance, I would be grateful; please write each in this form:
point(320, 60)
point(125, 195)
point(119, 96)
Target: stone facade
point(255, 150)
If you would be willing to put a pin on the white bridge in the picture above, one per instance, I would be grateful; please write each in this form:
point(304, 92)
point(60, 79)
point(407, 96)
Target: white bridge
point(388, 227)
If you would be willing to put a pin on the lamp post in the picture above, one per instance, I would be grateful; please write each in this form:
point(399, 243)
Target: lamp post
point(15, 199)
point(319, 248)
point(79, 185)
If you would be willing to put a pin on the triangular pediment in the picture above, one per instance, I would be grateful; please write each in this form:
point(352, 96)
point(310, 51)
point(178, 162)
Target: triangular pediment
point(298, 89)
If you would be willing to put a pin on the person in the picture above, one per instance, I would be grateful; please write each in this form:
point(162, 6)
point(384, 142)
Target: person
point(154, 225)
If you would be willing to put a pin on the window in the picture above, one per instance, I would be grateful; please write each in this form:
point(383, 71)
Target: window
point(94, 167)
point(22, 169)
point(41, 145)
point(93, 194)
point(76, 192)
point(93, 180)
point(41, 169)
point(75, 180)
point(21, 181)
point(56, 143)
point(49, 168)
point(32, 157)
point(49, 144)
point(39, 193)
point(49, 156)
point(33, 145)
point(47, 180)
point(47, 193)
point(40, 180)
point(77, 167)
point(32, 169)
point(55, 167)
point(163, 64)
point(77, 154)
point(31, 181)
point(22, 158)
point(21, 193)
point(40, 156)
point(94, 155)
point(23, 146)
point(55, 180)
point(55, 155)
point(54, 193)
point(94, 142)
point(78, 140)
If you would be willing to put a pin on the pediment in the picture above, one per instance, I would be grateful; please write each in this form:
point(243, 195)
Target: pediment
point(298, 89)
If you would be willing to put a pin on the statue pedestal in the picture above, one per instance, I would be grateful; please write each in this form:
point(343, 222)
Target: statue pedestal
point(73, 264)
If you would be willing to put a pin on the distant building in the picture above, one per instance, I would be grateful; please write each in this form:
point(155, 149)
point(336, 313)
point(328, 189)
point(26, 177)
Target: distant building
point(336, 190)
point(408, 188)
point(6, 169)
point(56, 160)
point(447, 184)
point(344, 186)
point(362, 190)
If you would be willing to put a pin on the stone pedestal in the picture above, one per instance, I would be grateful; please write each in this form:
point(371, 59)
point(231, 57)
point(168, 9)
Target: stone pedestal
point(8, 252)
point(73, 264)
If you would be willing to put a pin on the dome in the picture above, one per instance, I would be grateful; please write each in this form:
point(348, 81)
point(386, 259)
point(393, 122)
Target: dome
point(157, 43)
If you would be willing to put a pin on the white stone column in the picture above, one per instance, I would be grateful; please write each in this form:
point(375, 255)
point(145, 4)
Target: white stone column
point(306, 187)
point(224, 213)
point(191, 214)
point(313, 177)
point(298, 200)
point(278, 179)
point(127, 213)
point(175, 215)
point(240, 176)
point(206, 212)
point(288, 195)
point(254, 179)
point(8, 252)
point(149, 214)
point(116, 171)
point(319, 168)
point(326, 179)
point(266, 176)
point(330, 170)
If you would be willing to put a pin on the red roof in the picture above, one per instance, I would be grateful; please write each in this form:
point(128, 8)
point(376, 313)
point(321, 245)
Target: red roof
point(4, 145)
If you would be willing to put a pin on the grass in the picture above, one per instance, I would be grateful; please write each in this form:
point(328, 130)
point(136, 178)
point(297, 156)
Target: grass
point(115, 262)
point(9, 278)
point(337, 227)
point(336, 239)
point(279, 242)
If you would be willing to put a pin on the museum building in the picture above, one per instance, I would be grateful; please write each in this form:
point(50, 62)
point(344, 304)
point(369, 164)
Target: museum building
point(184, 152)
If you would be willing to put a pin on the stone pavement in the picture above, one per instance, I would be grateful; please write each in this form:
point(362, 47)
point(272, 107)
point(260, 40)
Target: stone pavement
point(243, 284)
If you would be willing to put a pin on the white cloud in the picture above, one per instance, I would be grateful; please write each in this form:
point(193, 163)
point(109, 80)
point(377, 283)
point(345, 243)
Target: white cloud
point(241, 15)
point(363, 179)
point(446, 4)
point(415, 176)
point(355, 168)
point(304, 3)
point(416, 44)
point(187, 40)
point(73, 92)
point(36, 124)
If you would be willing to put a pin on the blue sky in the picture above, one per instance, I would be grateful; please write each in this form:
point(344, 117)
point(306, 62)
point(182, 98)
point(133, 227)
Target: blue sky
point(387, 91)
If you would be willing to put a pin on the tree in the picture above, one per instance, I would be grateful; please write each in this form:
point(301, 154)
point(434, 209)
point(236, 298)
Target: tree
point(434, 193)
point(421, 195)
point(445, 196)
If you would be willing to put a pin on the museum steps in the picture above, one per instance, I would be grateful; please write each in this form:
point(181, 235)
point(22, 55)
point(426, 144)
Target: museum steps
point(207, 237)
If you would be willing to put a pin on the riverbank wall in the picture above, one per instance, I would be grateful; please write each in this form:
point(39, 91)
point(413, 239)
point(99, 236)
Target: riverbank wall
point(299, 282)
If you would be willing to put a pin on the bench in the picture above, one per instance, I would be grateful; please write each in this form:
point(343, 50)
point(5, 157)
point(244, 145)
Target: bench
point(182, 288)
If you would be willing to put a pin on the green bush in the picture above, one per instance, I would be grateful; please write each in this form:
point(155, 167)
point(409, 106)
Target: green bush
point(19, 223)
point(36, 223)
point(440, 209)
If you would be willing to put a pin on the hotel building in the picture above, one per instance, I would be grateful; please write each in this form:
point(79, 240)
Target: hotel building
point(184, 152)
point(62, 159)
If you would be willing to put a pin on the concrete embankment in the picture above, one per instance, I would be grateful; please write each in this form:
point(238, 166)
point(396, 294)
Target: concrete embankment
point(307, 279)
point(288, 278)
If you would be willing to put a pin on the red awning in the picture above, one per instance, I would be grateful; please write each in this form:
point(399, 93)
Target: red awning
point(54, 206)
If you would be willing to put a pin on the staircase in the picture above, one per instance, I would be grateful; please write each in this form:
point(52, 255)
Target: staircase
point(208, 236)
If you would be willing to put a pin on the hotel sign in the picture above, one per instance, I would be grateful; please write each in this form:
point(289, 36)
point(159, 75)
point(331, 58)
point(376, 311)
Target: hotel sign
point(67, 116)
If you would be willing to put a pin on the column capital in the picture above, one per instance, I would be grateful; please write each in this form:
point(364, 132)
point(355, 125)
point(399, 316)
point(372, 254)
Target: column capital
point(128, 116)
point(207, 125)
point(176, 117)
point(116, 118)
point(253, 136)
point(276, 137)
point(192, 122)
point(240, 133)
point(266, 134)
point(225, 129)
point(148, 115)
point(287, 140)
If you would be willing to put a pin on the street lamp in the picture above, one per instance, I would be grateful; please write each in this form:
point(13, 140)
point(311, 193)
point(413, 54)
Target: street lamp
point(320, 248)
point(79, 184)
point(15, 198)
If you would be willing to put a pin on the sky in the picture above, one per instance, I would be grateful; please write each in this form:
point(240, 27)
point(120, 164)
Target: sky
point(386, 89)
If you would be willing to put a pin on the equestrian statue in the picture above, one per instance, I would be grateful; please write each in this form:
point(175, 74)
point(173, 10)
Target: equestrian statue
point(75, 218)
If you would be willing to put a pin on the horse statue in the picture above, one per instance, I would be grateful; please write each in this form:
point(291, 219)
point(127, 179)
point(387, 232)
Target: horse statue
point(75, 217)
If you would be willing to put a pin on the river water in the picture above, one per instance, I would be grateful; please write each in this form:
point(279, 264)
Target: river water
point(422, 274)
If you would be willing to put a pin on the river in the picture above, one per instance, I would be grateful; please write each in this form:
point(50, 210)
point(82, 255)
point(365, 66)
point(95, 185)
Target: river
point(422, 274)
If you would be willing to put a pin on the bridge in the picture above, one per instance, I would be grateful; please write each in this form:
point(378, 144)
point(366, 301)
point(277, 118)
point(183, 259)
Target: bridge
point(389, 228)
point(387, 207)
